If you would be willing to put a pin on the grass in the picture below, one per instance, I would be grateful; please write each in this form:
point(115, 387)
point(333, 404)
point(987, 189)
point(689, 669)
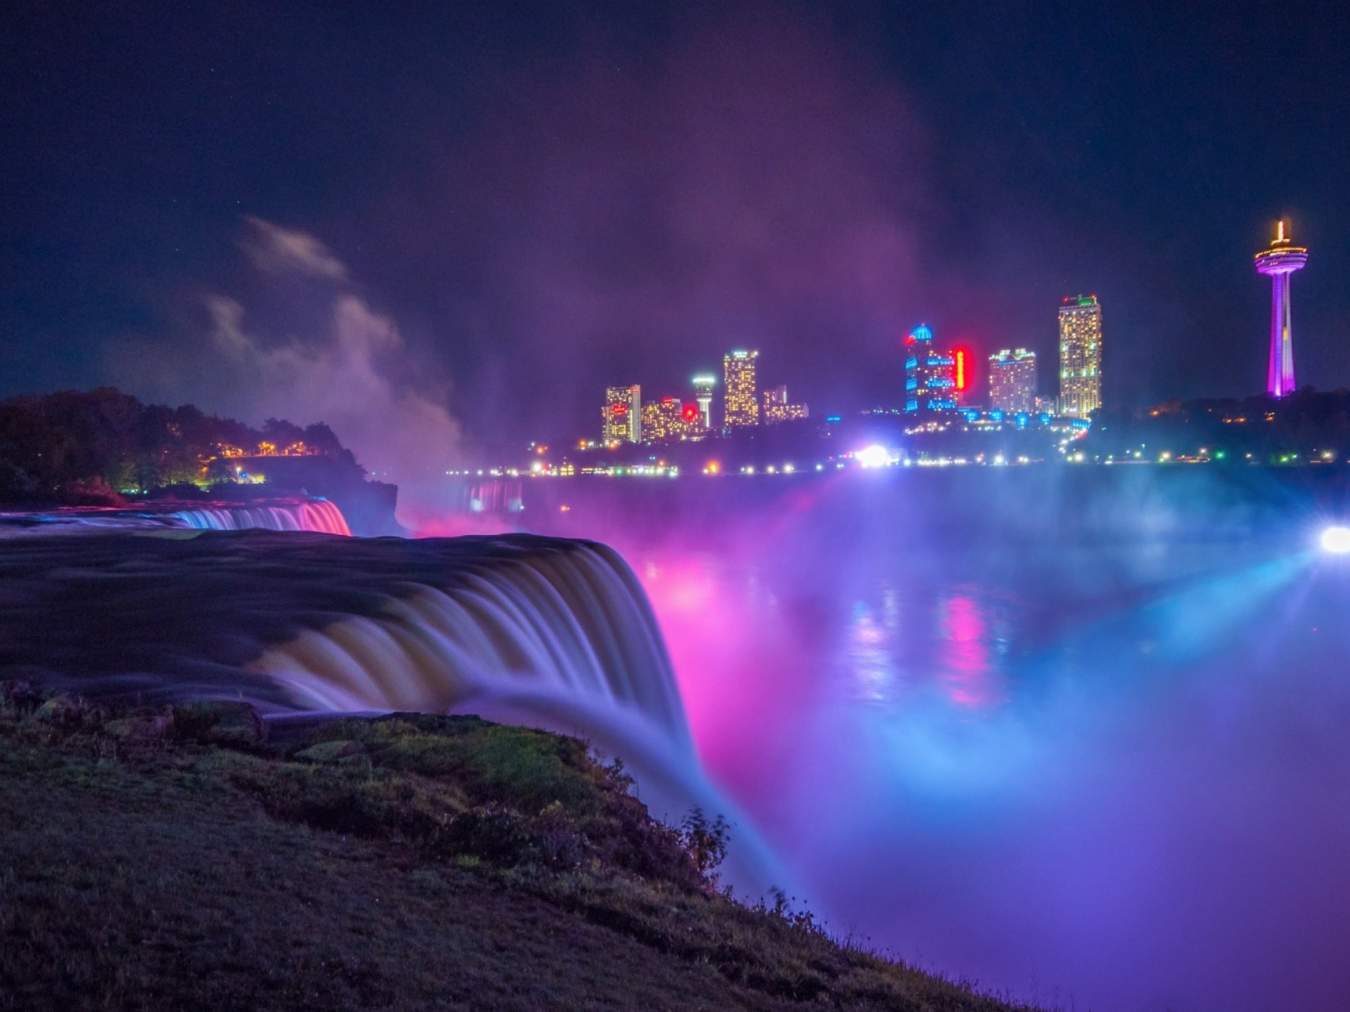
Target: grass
point(177, 858)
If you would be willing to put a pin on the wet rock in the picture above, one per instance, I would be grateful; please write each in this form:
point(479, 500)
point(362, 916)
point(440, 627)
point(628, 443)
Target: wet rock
point(146, 727)
point(65, 710)
point(220, 722)
point(331, 751)
point(19, 694)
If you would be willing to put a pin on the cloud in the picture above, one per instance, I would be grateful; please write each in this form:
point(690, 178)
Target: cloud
point(339, 378)
point(274, 249)
point(319, 355)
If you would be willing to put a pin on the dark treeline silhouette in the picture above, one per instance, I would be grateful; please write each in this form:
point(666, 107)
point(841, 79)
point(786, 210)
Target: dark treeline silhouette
point(1307, 427)
point(79, 447)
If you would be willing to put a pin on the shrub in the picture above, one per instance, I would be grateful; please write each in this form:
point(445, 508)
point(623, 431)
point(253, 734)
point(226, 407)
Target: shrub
point(706, 842)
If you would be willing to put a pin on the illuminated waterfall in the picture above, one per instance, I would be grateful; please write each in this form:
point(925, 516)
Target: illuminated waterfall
point(559, 633)
point(556, 637)
point(317, 515)
point(537, 631)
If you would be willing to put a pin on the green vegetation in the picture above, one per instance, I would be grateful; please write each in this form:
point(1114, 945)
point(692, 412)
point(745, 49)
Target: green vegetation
point(181, 857)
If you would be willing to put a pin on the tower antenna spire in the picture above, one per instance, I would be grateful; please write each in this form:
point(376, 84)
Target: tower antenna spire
point(1279, 261)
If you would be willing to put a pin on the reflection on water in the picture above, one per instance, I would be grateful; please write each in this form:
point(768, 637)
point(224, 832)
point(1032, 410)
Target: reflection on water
point(1094, 775)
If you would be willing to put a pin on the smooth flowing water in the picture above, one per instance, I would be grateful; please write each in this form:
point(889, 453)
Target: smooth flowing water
point(295, 514)
point(1096, 764)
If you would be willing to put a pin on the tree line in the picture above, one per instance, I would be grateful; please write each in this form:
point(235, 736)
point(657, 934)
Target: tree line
point(94, 446)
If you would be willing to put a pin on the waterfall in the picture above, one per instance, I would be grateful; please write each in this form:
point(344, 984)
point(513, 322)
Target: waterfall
point(318, 515)
point(541, 626)
point(539, 632)
point(523, 629)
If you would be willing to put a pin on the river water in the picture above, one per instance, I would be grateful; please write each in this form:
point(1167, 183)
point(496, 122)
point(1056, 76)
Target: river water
point(1094, 765)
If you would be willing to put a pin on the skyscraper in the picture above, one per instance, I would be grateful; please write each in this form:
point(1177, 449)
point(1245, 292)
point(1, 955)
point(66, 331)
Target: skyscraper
point(622, 415)
point(777, 408)
point(1080, 355)
point(703, 394)
point(663, 420)
point(1012, 380)
point(930, 374)
point(1278, 261)
point(740, 389)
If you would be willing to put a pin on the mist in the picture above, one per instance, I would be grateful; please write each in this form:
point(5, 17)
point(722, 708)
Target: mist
point(307, 345)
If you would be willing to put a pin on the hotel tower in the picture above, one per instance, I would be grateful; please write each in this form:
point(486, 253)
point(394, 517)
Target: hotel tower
point(1080, 356)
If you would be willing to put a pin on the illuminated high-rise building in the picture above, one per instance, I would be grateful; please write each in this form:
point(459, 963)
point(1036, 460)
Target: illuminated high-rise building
point(1012, 380)
point(670, 420)
point(661, 420)
point(622, 415)
point(1278, 261)
point(740, 389)
point(930, 374)
point(1080, 356)
point(777, 408)
point(703, 395)
point(691, 422)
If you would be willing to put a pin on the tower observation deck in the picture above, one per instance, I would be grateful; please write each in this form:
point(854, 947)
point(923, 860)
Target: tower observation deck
point(1279, 260)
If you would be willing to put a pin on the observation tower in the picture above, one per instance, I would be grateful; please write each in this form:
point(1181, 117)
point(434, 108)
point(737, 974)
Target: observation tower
point(1280, 260)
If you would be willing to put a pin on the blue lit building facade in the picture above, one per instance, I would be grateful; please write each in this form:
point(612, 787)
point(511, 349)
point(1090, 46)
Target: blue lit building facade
point(930, 374)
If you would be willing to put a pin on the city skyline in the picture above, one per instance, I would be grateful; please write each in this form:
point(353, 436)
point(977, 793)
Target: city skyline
point(938, 376)
point(450, 226)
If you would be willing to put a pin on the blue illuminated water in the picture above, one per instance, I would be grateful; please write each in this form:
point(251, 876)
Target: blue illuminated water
point(1107, 768)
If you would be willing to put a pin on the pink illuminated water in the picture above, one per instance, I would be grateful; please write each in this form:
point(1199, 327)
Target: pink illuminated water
point(1090, 772)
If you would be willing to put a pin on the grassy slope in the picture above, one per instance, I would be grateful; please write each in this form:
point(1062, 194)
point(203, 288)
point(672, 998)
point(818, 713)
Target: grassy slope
point(403, 862)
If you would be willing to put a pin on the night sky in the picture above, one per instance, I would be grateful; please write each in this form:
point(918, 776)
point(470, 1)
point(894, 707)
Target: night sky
point(498, 209)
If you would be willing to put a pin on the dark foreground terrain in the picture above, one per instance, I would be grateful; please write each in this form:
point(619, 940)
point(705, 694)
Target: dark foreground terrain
point(186, 857)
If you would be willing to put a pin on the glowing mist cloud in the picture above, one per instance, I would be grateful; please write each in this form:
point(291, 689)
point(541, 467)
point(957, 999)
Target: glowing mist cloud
point(308, 347)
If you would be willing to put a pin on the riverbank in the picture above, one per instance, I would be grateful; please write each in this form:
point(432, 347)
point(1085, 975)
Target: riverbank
point(193, 856)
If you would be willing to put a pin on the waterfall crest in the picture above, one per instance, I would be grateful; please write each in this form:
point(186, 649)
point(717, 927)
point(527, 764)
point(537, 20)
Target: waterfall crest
point(318, 515)
point(550, 627)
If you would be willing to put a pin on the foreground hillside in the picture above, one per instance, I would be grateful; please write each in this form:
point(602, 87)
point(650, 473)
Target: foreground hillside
point(184, 857)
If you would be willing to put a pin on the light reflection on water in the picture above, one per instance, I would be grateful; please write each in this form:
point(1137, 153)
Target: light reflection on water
point(1067, 797)
point(1111, 776)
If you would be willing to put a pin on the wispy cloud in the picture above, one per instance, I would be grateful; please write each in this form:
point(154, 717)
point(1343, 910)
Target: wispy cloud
point(275, 249)
point(321, 356)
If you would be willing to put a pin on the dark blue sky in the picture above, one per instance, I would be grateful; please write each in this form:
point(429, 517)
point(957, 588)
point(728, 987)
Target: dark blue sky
point(547, 198)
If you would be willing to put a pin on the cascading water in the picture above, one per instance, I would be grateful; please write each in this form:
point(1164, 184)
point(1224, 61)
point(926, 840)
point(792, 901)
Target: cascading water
point(559, 637)
point(573, 624)
point(318, 515)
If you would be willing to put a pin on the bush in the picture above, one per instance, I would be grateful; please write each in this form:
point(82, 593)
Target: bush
point(705, 842)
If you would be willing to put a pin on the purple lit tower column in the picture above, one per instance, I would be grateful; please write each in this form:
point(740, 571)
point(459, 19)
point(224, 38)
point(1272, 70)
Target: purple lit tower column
point(1279, 261)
